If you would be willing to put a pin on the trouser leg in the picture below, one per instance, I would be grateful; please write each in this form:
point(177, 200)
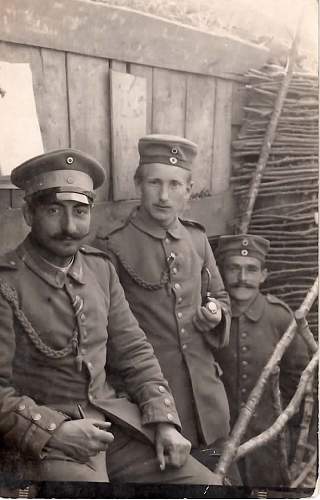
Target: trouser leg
point(130, 460)
point(58, 467)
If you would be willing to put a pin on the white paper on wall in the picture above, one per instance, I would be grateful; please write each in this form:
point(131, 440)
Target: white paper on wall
point(20, 136)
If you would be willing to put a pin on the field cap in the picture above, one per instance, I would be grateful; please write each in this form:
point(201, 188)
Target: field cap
point(245, 245)
point(64, 174)
point(168, 150)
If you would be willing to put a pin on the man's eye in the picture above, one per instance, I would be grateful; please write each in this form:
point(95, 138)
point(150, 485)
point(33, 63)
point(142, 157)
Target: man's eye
point(81, 211)
point(52, 210)
point(175, 184)
point(232, 268)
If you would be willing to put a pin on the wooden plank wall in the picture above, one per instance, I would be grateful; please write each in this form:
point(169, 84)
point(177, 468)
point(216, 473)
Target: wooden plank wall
point(74, 105)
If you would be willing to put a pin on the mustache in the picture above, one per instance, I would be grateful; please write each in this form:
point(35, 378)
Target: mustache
point(242, 284)
point(69, 236)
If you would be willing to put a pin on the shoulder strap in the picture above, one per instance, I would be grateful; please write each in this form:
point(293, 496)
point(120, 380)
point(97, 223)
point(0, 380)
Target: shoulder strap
point(192, 223)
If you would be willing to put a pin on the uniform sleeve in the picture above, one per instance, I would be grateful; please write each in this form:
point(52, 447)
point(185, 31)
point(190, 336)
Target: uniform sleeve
point(219, 337)
point(293, 362)
point(24, 425)
point(132, 356)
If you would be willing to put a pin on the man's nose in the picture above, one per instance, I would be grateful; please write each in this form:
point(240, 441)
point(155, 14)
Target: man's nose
point(69, 225)
point(243, 274)
point(164, 192)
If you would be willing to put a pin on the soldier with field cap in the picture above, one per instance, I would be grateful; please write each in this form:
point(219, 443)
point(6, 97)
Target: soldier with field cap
point(258, 323)
point(171, 281)
point(63, 313)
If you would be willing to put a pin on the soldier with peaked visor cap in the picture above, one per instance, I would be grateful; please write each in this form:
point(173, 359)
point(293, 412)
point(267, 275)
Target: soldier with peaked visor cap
point(64, 322)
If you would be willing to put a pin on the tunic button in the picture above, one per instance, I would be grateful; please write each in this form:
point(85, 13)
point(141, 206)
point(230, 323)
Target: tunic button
point(179, 315)
point(243, 390)
point(184, 346)
point(52, 427)
point(174, 270)
point(169, 416)
point(177, 286)
point(244, 348)
point(182, 330)
point(244, 376)
point(244, 363)
point(89, 365)
point(161, 388)
point(83, 317)
point(36, 417)
point(21, 407)
point(179, 300)
point(12, 262)
point(244, 335)
point(167, 240)
point(167, 402)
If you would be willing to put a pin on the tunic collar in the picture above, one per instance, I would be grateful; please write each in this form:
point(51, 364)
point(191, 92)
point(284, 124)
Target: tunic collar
point(145, 223)
point(255, 309)
point(28, 253)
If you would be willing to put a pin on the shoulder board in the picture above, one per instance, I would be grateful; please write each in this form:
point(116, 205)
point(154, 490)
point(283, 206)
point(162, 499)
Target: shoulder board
point(103, 233)
point(88, 250)
point(120, 225)
point(192, 223)
point(274, 300)
point(9, 261)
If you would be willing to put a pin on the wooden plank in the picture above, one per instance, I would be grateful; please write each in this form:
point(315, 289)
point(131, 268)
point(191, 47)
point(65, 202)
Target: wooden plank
point(128, 124)
point(118, 66)
point(100, 30)
point(53, 100)
point(49, 84)
point(169, 100)
point(199, 128)
point(5, 199)
point(239, 101)
point(13, 229)
point(89, 110)
point(147, 73)
point(220, 178)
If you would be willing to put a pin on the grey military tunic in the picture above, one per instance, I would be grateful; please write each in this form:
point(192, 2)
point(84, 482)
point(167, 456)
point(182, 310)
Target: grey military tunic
point(162, 273)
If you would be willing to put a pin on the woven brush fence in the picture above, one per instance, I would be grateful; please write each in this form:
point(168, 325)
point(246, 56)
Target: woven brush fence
point(285, 211)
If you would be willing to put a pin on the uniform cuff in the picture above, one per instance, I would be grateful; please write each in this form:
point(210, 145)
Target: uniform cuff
point(39, 423)
point(160, 410)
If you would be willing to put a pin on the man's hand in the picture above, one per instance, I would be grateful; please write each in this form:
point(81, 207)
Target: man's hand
point(81, 439)
point(207, 317)
point(171, 447)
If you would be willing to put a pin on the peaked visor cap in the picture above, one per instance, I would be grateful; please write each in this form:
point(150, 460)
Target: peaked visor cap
point(168, 150)
point(245, 245)
point(67, 171)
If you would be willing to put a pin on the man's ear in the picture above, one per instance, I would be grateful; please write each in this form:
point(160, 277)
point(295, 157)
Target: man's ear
point(27, 214)
point(189, 188)
point(264, 274)
point(137, 185)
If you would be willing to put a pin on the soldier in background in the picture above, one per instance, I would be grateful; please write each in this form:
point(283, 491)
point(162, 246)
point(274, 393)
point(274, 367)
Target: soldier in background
point(167, 269)
point(258, 322)
point(62, 314)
